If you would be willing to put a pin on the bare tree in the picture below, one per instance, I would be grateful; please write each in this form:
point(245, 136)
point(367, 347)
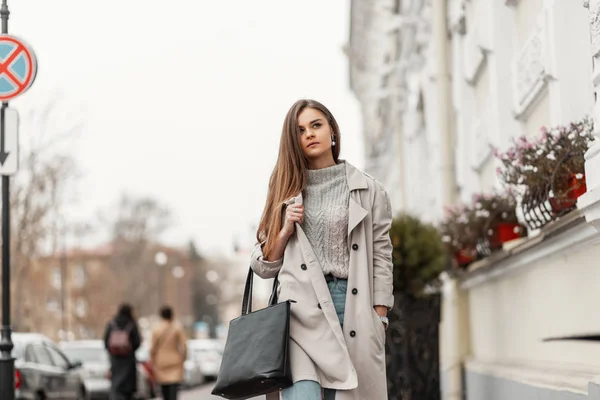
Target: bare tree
point(204, 289)
point(135, 227)
point(38, 197)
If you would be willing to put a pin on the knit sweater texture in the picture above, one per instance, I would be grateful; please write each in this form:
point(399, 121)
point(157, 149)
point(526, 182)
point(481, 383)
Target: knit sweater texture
point(326, 202)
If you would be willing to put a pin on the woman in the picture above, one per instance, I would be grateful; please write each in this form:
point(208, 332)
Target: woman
point(325, 231)
point(168, 353)
point(122, 339)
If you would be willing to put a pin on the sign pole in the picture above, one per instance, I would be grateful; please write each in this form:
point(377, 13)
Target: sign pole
point(7, 362)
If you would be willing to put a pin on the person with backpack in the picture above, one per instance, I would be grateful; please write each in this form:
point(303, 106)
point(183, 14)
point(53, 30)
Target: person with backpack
point(122, 339)
point(168, 353)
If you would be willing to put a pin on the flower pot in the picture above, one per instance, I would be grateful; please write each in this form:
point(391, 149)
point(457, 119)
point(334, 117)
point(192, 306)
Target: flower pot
point(576, 187)
point(464, 257)
point(505, 232)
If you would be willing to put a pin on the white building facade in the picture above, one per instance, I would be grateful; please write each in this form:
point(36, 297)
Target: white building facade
point(443, 82)
point(396, 76)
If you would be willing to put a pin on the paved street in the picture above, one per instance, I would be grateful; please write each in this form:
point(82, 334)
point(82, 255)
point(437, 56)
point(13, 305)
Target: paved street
point(203, 393)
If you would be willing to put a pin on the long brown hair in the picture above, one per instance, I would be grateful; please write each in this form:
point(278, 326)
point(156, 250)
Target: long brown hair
point(289, 175)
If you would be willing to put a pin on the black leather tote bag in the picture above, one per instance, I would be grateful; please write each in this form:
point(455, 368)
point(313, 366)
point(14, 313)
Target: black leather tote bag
point(256, 358)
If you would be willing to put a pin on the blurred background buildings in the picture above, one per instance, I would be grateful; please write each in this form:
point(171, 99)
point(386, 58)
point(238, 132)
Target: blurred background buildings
point(441, 85)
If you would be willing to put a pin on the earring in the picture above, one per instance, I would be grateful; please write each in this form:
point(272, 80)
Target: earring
point(333, 141)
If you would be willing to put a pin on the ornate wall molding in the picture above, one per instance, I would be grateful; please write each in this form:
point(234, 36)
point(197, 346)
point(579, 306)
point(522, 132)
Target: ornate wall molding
point(475, 58)
point(531, 70)
point(456, 16)
point(594, 7)
point(594, 18)
point(476, 41)
point(481, 146)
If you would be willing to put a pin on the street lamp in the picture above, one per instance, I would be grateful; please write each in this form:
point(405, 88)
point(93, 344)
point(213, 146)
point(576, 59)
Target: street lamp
point(178, 273)
point(161, 259)
point(7, 362)
point(212, 276)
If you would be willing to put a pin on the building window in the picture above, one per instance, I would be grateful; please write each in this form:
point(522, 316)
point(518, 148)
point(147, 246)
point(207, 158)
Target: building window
point(79, 276)
point(81, 307)
point(52, 305)
point(85, 333)
point(56, 278)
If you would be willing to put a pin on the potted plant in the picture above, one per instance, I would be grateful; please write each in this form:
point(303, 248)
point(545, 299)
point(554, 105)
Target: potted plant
point(549, 168)
point(412, 345)
point(460, 230)
point(498, 217)
point(419, 255)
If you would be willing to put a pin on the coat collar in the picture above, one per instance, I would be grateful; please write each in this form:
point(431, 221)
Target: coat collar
point(356, 181)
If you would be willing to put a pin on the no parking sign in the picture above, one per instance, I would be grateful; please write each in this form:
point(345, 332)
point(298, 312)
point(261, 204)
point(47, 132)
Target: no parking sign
point(18, 67)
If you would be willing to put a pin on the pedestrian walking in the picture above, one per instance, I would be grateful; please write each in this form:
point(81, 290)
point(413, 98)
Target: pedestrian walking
point(325, 231)
point(168, 353)
point(122, 339)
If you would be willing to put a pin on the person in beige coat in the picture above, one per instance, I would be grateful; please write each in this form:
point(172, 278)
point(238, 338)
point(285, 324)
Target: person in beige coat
point(325, 233)
point(168, 353)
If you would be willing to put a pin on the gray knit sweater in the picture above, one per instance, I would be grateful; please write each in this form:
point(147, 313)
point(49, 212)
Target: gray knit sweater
point(326, 199)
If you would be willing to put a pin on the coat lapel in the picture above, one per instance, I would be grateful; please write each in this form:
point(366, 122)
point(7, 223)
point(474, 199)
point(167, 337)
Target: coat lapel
point(356, 213)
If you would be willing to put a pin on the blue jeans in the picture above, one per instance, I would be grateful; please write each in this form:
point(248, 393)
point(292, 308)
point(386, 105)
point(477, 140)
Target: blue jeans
point(311, 390)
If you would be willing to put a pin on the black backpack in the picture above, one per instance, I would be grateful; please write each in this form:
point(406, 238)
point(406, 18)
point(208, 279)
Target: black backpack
point(119, 341)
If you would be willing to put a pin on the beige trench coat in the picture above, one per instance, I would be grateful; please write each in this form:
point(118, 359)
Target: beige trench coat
point(168, 352)
point(351, 360)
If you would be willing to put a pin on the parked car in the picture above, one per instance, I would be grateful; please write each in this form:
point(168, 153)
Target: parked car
point(143, 357)
point(96, 369)
point(43, 371)
point(208, 353)
point(193, 374)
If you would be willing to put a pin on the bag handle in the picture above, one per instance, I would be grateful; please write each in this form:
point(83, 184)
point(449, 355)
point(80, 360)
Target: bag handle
point(247, 300)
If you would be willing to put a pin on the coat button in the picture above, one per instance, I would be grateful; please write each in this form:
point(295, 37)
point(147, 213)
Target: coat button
point(354, 291)
point(303, 266)
point(319, 305)
point(352, 333)
point(354, 246)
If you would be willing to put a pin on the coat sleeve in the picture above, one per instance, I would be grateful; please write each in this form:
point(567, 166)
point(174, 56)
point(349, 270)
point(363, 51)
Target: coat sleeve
point(183, 344)
point(106, 335)
point(383, 278)
point(261, 267)
point(136, 339)
point(153, 340)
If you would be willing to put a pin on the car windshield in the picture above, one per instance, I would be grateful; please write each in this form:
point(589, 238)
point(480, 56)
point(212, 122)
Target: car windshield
point(17, 351)
point(206, 354)
point(86, 354)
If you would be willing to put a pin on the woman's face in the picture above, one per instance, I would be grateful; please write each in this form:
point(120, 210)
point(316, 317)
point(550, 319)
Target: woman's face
point(315, 134)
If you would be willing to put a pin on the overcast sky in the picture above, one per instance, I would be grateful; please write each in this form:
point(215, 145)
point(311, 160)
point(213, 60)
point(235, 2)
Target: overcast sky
point(184, 99)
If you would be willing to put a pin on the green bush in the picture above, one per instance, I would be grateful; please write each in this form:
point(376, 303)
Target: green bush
point(419, 255)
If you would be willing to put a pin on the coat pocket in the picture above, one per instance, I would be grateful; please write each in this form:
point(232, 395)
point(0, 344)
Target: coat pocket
point(286, 291)
point(379, 331)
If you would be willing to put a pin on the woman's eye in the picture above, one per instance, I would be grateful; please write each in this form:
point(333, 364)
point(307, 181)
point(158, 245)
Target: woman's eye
point(315, 126)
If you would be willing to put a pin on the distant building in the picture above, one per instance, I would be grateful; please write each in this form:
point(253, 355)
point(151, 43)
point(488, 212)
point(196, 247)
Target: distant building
point(234, 270)
point(73, 295)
